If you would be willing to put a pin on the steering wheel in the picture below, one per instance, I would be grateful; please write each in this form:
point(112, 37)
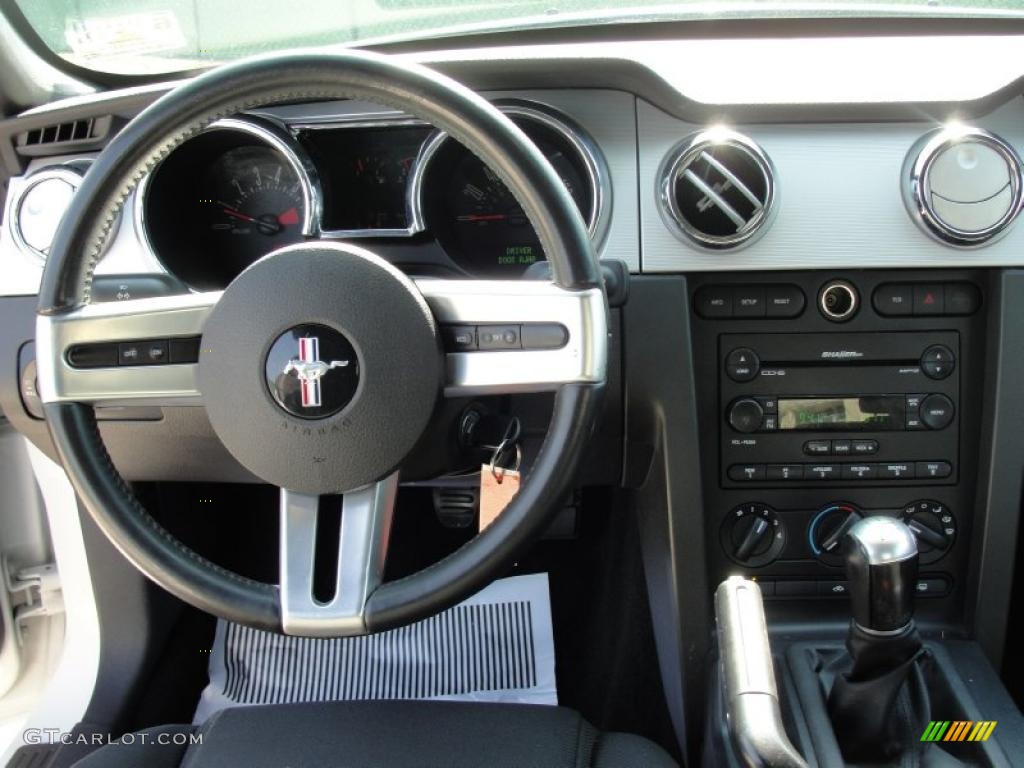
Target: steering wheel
point(321, 364)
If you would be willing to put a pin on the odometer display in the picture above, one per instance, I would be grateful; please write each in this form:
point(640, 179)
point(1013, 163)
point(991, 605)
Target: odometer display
point(475, 217)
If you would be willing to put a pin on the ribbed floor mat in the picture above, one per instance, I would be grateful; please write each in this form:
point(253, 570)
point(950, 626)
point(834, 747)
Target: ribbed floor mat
point(496, 646)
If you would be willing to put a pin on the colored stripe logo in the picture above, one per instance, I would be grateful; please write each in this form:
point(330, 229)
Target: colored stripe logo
point(958, 730)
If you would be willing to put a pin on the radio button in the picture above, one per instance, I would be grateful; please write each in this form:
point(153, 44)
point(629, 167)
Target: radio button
point(818, 447)
point(770, 404)
point(902, 471)
point(746, 472)
point(842, 447)
point(937, 411)
point(860, 471)
point(937, 362)
point(933, 469)
point(865, 447)
point(822, 472)
point(742, 364)
point(914, 412)
point(785, 472)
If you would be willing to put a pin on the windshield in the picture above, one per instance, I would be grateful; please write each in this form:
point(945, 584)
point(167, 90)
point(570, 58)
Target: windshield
point(160, 36)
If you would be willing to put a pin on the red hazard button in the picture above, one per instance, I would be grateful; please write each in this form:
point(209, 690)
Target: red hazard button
point(929, 299)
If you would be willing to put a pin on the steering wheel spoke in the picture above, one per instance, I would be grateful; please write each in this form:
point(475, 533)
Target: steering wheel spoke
point(361, 546)
point(100, 353)
point(524, 335)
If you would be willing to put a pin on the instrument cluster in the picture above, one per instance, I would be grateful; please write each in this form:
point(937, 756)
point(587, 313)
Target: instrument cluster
point(249, 185)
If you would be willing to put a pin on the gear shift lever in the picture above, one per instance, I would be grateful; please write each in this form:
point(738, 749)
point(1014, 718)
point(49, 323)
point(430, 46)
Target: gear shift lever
point(881, 567)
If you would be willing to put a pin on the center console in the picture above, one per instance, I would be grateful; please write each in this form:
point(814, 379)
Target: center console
point(831, 398)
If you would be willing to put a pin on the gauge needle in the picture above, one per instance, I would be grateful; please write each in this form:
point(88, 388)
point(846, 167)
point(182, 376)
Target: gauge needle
point(482, 217)
point(291, 216)
point(237, 214)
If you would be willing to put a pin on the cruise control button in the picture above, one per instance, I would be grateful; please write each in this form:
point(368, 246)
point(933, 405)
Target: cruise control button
point(544, 336)
point(937, 411)
point(785, 472)
point(715, 301)
point(933, 469)
point(822, 472)
point(498, 337)
point(459, 338)
point(129, 353)
point(894, 299)
point(742, 364)
point(783, 301)
point(859, 471)
point(93, 355)
point(898, 471)
point(154, 352)
point(746, 472)
point(818, 447)
point(184, 350)
point(865, 447)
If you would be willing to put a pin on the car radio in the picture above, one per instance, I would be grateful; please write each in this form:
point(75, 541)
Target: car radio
point(853, 408)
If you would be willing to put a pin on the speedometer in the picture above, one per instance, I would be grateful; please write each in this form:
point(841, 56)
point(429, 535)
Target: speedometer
point(475, 217)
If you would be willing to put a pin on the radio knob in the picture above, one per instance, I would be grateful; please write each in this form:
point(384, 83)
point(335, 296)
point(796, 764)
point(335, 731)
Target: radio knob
point(936, 411)
point(746, 415)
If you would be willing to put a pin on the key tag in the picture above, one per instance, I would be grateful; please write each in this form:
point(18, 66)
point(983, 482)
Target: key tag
point(498, 484)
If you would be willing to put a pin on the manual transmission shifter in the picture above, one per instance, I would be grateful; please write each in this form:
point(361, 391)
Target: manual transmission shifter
point(881, 567)
point(879, 703)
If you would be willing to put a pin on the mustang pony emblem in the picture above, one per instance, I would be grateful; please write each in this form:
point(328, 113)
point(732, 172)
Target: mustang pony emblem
point(309, 369)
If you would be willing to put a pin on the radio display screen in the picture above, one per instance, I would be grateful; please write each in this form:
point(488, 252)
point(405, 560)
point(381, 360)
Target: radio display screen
point(871, 413)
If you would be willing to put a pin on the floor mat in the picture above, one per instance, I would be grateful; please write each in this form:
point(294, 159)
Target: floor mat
point(496, 646)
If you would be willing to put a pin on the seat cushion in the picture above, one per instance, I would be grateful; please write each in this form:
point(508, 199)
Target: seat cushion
point(404, 734)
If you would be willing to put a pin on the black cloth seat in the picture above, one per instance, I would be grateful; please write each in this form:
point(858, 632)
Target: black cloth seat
point(384, 734)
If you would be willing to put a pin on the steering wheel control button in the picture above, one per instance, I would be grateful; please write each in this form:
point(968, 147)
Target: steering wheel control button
point(312, 371)
point(937, 411)
point(544, 336)
point(499, 337)
point(746, 415)
point(742, 364)
point(752, 535)
point(308, 384)
point(153, 352)
point(459, 338)
point(184, 350)
point(92, 355)
point(838, 301)
point(938, 362)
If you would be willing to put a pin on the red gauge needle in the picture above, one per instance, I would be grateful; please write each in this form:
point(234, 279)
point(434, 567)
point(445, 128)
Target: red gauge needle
point(482, 217)
point(237, 214)
point(291, 216)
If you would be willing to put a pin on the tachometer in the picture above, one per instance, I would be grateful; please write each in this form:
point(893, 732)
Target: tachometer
point(251, 203)
point(474, 216)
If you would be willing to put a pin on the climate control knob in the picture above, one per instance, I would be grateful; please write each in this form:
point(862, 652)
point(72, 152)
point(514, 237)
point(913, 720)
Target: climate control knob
point(934, 527)
point(746, 415)
point(753, 535)
point(827, 529)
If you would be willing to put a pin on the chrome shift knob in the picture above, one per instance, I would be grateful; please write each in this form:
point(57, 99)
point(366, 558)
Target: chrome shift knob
point(881, 567)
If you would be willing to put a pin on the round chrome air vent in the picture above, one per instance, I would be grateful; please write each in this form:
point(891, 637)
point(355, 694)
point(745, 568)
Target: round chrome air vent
point(962, 185)
point(39, 205)
point(717, 189)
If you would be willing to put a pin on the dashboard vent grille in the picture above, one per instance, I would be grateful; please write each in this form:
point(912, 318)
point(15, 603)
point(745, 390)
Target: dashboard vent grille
point(717, 189)
point(83, 132)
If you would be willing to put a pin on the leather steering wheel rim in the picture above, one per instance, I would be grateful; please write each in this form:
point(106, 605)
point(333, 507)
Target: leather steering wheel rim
point(265, 81)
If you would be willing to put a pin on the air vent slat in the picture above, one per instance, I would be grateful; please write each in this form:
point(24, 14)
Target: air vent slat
point(37, 141)
point(717, 189)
